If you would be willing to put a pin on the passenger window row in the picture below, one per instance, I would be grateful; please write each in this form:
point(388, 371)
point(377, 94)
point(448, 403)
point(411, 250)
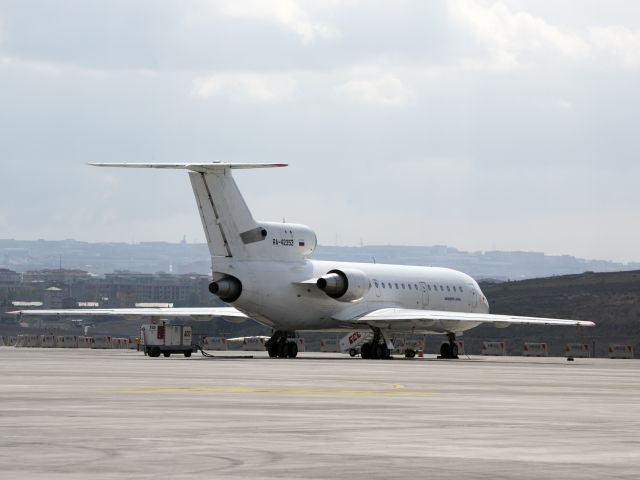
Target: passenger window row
point(414, 286)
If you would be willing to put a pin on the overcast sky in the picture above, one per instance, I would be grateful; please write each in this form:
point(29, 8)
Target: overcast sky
point(481, 125)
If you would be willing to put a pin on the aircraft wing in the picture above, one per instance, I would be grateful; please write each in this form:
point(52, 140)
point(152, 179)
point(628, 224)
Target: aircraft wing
point(199, 314)
point(432, 321)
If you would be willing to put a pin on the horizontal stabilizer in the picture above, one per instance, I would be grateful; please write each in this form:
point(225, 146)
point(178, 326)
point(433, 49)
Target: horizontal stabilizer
point(194, 167)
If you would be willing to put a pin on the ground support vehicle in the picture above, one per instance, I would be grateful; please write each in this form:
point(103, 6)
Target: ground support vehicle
point(162, 338)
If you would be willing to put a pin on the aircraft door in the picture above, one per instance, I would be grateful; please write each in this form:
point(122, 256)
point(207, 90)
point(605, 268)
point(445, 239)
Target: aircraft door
point(376, 286)
point(473, 303)
point(425, 294)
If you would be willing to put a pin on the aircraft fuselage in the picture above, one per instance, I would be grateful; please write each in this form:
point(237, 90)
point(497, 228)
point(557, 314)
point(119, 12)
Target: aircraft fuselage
point(284, 295)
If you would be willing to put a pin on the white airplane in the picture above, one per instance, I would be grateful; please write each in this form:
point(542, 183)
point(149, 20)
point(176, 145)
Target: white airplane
point(263, 270)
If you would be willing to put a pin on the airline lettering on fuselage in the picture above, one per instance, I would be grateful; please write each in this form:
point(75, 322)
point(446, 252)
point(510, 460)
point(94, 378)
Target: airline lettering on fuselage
point(453, 299)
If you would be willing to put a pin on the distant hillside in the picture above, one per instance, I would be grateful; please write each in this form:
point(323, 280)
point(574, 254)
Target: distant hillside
point(612, 300)
point(501, 265)
point(152, 257)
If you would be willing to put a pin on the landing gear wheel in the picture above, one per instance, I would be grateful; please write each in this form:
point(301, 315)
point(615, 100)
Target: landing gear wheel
point(449, 350)
point(382, 351)
point(365, 350)
point(292, 349)
point(280, 346)
point(445, 350)
point(187, 353)
point(353, 352)
point(166, 354)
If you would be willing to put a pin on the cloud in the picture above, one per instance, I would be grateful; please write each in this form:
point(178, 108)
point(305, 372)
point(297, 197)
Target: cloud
point(46, 67)
point(620, 42)
point(286, 13)
point(245, 87)
point(564, 104)
point(381, 89)
point(508, 35)
point(187, 80)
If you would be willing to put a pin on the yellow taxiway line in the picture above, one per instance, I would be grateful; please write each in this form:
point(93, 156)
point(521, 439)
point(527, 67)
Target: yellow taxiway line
point(396, 390)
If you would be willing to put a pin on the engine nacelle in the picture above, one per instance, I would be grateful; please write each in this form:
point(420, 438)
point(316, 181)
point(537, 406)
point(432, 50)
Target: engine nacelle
point(346, 285)
point(227, 288)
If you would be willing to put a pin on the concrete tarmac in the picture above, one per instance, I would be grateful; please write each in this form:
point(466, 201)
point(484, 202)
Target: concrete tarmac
point(100, 414)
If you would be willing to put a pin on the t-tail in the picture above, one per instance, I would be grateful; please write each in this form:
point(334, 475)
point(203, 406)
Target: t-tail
point(229, 227)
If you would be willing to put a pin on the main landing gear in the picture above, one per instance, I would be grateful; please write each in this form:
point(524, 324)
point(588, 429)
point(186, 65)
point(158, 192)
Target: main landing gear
point(280, 346)
point(449, 350)
point(376, 348)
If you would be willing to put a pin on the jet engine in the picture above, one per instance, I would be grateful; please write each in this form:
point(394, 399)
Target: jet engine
point(227, 288)
point(345, 285)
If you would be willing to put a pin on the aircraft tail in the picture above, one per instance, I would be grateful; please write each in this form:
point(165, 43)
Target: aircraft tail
point(226, 219)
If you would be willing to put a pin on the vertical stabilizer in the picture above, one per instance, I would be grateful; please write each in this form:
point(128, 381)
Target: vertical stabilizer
point(226, 219)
